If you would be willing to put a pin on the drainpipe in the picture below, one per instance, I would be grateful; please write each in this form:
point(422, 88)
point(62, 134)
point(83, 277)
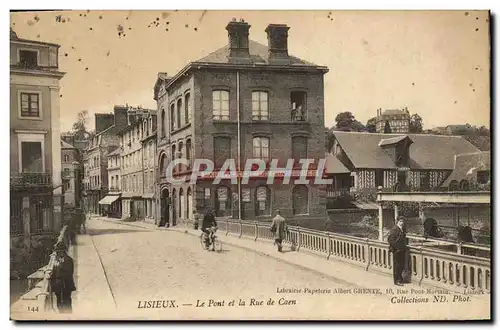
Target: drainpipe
point(239, 141)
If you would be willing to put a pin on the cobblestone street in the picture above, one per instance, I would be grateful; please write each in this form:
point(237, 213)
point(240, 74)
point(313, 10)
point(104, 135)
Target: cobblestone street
point(144, 264)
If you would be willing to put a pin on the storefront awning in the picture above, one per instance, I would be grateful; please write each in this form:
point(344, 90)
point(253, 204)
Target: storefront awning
point(108, 200)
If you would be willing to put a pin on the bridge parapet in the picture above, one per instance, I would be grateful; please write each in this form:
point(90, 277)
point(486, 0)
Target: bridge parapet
point(447, 270)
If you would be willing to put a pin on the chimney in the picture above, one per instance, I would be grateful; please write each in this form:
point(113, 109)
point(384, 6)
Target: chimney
point(121, 119)
point(103, 121)
point(277, 39)
point(238, 39)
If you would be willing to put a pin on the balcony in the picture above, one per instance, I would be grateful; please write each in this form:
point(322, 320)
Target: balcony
point(334, 193)
point(30, 180)
point(298, 115)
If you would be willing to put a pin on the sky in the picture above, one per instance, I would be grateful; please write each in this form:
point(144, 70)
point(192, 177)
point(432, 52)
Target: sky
point(435, 63)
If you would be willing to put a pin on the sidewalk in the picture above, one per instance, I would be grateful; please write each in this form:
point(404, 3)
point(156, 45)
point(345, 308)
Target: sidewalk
point(340, 272)
point(93, 295)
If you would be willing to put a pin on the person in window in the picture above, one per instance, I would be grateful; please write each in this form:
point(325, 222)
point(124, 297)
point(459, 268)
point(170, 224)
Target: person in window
point(398, 246)
point(431, 228)
point(279, 229)
point(61, 278)
point(207, 223)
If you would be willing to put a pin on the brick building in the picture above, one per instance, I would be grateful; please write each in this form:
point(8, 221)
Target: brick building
point(95, 160)
point(35, 147)
point(245, 94)
point(137, 155)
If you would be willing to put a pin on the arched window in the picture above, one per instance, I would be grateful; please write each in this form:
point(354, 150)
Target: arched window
point(173, 156)
point(261, 148)
point(172, 117)
point(188, 151)
point(180, 167)
point(187, 107)
point(262, 201)
point(174, 207)
point(223, 201)
point(180, 113)
point(300, 199)
point(189, 204)
point(163, 124)
point(453, 185)
point(182, 213)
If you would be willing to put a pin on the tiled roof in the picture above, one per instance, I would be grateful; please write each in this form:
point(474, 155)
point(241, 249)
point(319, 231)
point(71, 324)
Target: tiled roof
point(334, 165)
point(392, 112)
point(467, 165)
point(65, 145)
point(259, 54)
point(426, 152)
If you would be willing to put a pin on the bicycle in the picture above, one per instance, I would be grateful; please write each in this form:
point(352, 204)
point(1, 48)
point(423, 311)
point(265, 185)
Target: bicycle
point(215, 243)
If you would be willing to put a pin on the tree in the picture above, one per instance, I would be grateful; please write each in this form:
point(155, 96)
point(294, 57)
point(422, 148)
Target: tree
point(329, 138)
point(416, 124)
point(387, 127)
point(371, 125)
point(80, 125)
point(345, 121)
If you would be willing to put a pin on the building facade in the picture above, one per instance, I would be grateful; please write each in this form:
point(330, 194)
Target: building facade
point(398, 120)
point(114, 204)
point(96, 153)
point(135, 136)
point(36, 192)
point(243, 101)
point(71, 174)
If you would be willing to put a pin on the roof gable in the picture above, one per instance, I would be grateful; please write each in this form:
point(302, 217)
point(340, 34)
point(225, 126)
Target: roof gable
point(467, 166)
point(426, 152)
point(334, 166)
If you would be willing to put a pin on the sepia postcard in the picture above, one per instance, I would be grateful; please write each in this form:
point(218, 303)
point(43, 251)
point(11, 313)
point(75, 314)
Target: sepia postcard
point(250, 165)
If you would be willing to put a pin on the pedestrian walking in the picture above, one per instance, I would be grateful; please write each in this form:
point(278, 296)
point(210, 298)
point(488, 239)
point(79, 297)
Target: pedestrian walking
point(61, 278)
point(398, 246)
point(279, 229)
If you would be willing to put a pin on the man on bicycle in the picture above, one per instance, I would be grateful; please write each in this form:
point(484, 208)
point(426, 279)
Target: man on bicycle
point(208, 222)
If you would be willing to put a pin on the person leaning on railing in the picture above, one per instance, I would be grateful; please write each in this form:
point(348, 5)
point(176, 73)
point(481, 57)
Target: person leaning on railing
point(61, 278)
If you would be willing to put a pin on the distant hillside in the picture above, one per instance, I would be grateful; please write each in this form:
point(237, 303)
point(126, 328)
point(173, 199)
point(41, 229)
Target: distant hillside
point(482, 142)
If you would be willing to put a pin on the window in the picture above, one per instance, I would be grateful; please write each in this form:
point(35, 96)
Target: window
point(299, 149)
point(263, 201)
point(163, 124)
point(425, 182)
point(260, 106)
point(188, 151)
point(112, 182)
point(187, 107)
point(180, 114)
point(172, 117)
point(483, 177)
point(28, 59)
point(223, 203)
point(379, 178)
point(220, 104)
point(66, 158)
point(163, 165)
point(31, 157)
point(300, 200)
point(261, 148)
point(30, 105)
point(298, 104)
point(173, 157)
point(117, 182)
point(222, 150)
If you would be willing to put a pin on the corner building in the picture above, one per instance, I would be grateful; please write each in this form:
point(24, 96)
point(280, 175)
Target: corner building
point(276, 103)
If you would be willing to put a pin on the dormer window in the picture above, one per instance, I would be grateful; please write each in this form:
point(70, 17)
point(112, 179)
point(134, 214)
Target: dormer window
point(398, 148)
point(28, 59)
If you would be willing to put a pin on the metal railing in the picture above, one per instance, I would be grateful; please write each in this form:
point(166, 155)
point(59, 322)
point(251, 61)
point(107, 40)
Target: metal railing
point(26, 180)
point(338, 192)
point(430, 266)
